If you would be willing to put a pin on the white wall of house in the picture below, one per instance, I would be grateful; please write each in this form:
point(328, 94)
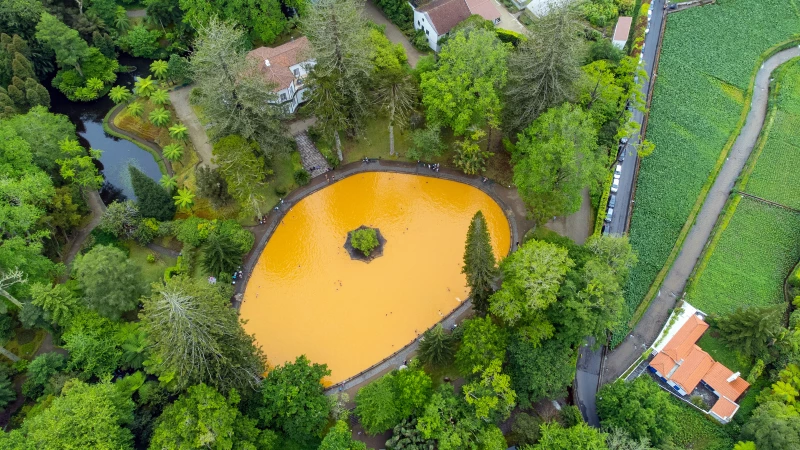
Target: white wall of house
point(422, 22)
point(296, 93)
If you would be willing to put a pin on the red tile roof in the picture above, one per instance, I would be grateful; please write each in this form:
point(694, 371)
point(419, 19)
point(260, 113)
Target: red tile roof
point(446, 14)
point(683, 342)
point(724, 408)
point(692, 369)
point(717, 378)
point(280, 59)
point(623, 29)
point(662, 363)
point(484, 8)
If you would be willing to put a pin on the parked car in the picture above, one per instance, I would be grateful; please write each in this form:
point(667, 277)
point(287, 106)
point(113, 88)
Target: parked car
point(609, 213)
point(612, 200)
point(615, 185)
point(618, 170)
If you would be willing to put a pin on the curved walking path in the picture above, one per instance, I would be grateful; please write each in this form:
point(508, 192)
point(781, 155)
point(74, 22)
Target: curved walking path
point(96, 208)
point(136, 139)
point(507, 198)
point(197, 133)
point(674, 284)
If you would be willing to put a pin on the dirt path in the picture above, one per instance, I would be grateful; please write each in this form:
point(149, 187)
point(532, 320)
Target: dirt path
point(392, 32)
point(673, 287)
point(578, 226)
point(136, 13)
point(97, 208)
point(180, 101)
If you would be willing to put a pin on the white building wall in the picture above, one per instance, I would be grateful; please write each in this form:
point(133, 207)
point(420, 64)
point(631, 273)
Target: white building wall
point(422, 22)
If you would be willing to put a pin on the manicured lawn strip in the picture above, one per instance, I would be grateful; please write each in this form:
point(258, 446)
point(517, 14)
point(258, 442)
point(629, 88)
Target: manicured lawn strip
point(698, 431)
point(774, 176)
point(755, 252)
point(693, 122)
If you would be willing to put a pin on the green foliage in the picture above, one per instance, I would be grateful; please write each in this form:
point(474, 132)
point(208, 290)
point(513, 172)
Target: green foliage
point(84, 84)
point(58, 302)
point(111, 283)
point(600, 13)
point(397, 395)
point(525, 429)
point(426, 144)
point(264, 22)
point(145, 86)
point(540, 370)
point(242, 168)
point(65, 42)
point(212, 186)
point(399, 13)
point(436, 347)
point(482, 341)
point(40, 372)
point(43, 131)
point(84, 416)
point(556, 157)
point(178, 69)
point(405, 436)
point(773, 426)
point(302, 177)
point(692, 116)
point(173, 151)
point(159, 97)
point(204, 418)
point(480, 59)
point(159, 68)
point(92, 345)
point(7, 392)
point(119, 94)
point(77, 166)
point(365, 240)
point(152, 199)
point(491, 396)
point(179, 132)
point(141, 42)
point(197, 338)
point(184, 199)
point(135, 109)
point(470, 157)
point(293, 400)
point(640, 407)
point(221, 254)
point(339, 437)
point(159, 116)
point(751, 330)
point(479, 263)
point(121, 220)
point(556, 437)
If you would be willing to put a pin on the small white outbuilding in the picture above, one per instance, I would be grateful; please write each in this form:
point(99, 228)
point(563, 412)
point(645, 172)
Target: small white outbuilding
point(621, 32)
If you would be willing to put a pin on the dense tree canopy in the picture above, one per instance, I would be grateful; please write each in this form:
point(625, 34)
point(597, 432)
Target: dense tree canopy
point(482, 341)
point(111, 283)
point(540, 370)
point(153, 200)
point(479, 263)
point(640, 408)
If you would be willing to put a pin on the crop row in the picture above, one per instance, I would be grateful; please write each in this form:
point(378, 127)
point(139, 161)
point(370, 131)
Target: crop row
point(707, 53)
point(754, 254)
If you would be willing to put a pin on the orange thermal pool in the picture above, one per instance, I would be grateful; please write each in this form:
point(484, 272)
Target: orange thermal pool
point(306, 296)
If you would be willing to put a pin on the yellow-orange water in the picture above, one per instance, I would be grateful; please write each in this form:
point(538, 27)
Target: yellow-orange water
point(307, 296)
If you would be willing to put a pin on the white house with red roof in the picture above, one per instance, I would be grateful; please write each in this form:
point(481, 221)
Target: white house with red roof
point(438, 17)
point(286, 66)
point(682, 365)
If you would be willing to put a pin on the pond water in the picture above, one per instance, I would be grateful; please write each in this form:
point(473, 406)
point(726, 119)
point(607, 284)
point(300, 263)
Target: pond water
point(307, 296)
point(117, 153)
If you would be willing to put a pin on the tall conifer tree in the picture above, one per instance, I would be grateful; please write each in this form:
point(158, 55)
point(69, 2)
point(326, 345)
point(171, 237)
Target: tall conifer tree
point(479, 263)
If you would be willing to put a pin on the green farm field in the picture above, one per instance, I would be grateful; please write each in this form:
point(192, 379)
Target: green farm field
point(708, 56)
point(698, 431)
point(754, 254)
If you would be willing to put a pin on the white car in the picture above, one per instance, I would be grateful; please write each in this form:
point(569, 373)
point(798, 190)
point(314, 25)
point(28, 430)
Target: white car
point(615, 185)
point(609, 213)
point(618, 170)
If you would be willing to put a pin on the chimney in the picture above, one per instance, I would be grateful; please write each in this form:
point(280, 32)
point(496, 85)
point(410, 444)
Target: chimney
point(733, 377)
point(266, 62)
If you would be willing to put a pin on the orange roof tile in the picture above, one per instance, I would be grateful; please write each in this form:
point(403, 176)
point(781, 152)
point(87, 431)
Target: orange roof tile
point(280, 59)
point(717, 378)
point(724, 408)
point(484, 8)
point(692, 369)
point(683, 342)
point(446, 14)
point(662, 363)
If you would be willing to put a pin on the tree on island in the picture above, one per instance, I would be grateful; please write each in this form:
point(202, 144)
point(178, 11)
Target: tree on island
point(479, 263)
point(364, 240)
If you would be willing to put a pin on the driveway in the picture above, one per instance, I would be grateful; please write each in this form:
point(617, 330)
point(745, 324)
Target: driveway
point(197, 134)
point(392, 32)
point(508, 21)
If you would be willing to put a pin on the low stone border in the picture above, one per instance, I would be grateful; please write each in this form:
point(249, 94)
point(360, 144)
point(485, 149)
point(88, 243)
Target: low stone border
point(318, 183)
point(149, 146)
point(356, 254)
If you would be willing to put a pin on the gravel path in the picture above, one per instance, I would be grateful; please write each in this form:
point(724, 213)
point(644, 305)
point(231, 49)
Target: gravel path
point(392, 32)
point(97, 208)
point(673, 287)
point(180, 101)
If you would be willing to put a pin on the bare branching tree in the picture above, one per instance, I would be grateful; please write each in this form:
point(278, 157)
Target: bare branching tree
point(8, 279)
point(397, 96)
point(542, 72)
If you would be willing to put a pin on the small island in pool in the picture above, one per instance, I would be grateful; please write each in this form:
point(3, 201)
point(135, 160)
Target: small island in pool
point(365, 243)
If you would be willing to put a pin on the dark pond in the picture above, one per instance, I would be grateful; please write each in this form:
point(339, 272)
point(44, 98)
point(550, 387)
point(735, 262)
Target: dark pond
point(118, 154)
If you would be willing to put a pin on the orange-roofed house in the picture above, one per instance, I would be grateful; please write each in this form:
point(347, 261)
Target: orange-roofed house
point(682, 365)
point(286, 66)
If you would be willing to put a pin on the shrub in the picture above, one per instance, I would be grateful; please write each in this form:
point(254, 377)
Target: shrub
point(152, 199)
point(302, 177)
point(141, 42)
point(365, 240)
point(420, 41)
point(426, 143)
point(280, 190)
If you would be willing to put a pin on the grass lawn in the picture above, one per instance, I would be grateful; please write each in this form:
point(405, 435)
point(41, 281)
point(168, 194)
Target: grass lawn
point(755, 252)
point(723, 353)
point(774, 176)
point(696, 105)
point(698, 431)
point(151, 272)
point(25, 342)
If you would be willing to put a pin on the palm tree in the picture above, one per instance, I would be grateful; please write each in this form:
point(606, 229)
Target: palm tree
point(159, 69)
point(119, 94)
point(134, 344)
point(169, 183)
point(95, 84)
point(159, 117)
point(178, 131)
point(184, 199)
point(135, 109)
point(121, 22)
point(397, 95)
point(173, 152)
point(145, 86)
point(159, 97)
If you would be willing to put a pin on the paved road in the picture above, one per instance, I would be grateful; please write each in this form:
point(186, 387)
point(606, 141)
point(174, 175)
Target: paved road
point(648, 327)
point(392, 32)
point(620, 218)
point(587, 375)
